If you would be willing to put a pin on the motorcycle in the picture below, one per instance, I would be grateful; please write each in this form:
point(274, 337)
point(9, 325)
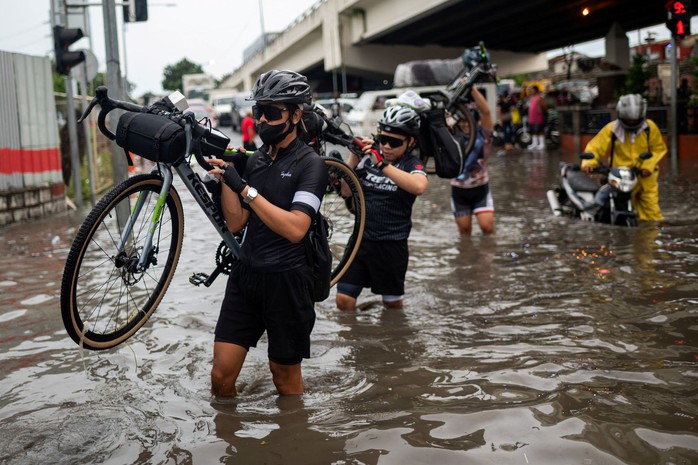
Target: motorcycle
point(523, 135)
point(578, 195)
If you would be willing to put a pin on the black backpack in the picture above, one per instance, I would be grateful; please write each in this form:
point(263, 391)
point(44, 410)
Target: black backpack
point(437, 141)
point(317, 251)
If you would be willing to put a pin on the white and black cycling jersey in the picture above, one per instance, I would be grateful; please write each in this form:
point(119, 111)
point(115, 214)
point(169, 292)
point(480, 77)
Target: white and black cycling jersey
point(295, 180)
point(388, 207)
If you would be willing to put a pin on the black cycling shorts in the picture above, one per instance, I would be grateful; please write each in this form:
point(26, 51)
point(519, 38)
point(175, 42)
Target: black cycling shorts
point(279, 303)
point(472, 201)
point(381, 266)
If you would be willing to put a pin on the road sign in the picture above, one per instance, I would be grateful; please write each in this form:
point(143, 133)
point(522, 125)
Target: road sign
point(91, 64)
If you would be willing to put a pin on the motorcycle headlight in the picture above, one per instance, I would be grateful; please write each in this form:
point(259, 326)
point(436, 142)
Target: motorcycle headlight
point(622, 178)
point(627, 185)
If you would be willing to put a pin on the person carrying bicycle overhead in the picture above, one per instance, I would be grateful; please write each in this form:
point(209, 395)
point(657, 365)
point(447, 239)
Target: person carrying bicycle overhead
point(470, 191)
point(390, 184)
point(270, 287)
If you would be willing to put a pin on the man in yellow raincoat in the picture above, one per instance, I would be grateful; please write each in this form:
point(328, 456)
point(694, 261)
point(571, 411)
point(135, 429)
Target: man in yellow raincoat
point(627, 137)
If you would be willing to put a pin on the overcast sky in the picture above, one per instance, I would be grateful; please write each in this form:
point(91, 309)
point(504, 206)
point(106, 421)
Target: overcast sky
point(212, 33)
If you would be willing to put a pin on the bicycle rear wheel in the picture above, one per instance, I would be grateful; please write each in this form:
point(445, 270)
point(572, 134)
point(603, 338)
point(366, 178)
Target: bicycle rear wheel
point(345, 210)
point(105, 298)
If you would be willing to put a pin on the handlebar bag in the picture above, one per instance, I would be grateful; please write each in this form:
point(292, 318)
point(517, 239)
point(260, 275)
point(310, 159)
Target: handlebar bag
point(154, 137)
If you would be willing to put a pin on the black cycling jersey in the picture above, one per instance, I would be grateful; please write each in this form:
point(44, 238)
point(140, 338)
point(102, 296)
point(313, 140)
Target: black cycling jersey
point(389, 208)
point(295, 180)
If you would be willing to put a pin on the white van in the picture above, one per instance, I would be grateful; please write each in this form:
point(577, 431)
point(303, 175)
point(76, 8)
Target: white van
point(363, 118)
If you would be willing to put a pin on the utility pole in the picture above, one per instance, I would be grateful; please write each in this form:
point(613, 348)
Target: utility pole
point(65, 59)
point(673, 123)
point(261, 23)
point(111, 40)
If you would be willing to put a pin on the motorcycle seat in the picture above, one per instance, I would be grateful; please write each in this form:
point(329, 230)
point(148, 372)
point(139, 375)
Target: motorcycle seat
point(580, 182)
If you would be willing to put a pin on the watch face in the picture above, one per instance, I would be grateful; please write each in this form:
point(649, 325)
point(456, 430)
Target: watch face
point(251, 195)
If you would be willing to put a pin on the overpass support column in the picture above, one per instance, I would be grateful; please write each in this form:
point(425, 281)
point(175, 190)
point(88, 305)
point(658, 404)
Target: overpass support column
point(618, 47)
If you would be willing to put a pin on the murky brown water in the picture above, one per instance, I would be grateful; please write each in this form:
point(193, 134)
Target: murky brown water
point(554, 342)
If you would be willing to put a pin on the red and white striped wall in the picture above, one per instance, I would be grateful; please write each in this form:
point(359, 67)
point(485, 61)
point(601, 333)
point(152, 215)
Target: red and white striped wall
point(29, 143)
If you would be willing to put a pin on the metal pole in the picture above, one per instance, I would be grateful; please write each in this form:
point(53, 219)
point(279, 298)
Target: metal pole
point(261, 23)
point(88, 135)
point(123, 38)
point(73, 136)
point(673, 126)
point(111, 40)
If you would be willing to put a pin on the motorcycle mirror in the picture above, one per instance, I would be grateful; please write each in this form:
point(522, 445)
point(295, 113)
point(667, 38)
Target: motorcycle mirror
point(645, 155)
point(586, 156)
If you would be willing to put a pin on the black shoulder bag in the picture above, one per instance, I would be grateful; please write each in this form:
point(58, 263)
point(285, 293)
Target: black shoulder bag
point(317, 251)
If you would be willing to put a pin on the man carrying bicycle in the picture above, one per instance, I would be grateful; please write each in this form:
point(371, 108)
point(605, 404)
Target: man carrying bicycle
point(270, 287)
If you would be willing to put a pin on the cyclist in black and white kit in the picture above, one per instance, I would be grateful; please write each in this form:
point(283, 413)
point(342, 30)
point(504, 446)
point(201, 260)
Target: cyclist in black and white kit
point(391, 184)
point(270, 287)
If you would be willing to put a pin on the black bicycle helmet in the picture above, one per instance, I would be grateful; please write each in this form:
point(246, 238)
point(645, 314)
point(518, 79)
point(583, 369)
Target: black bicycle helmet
point(399, 119)
point(282, 86)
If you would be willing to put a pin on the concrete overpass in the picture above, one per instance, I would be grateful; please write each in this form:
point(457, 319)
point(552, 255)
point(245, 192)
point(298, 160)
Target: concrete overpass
point(356, 44)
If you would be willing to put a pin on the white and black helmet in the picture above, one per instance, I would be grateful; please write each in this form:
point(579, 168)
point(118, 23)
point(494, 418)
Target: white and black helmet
point(401, 120)
point(282, 86)
point(632, 110)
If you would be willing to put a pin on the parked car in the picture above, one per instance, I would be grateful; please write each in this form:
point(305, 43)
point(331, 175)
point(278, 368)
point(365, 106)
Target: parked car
point(223, 108)
point(202, 109)
point(363, 118)
point(240, 107)
point(579, 88)
point(345, 105)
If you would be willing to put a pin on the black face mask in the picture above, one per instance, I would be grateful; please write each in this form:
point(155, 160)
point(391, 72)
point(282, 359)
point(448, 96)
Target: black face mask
point(273, 134)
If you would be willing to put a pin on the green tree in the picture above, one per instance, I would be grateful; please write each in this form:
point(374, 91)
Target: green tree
point(172, 75)
point(638, 74)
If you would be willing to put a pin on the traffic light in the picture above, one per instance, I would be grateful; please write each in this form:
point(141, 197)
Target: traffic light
point(679, 18)
point(135, 10)
point(62, 39)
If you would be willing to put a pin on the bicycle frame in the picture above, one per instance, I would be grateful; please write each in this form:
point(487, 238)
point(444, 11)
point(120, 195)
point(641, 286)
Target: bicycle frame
point(197, 189)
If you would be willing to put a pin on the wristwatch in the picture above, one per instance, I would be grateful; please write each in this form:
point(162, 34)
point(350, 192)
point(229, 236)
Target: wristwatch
point(251, 195)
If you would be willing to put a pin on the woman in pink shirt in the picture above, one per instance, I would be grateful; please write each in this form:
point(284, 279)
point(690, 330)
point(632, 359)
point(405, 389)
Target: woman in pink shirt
point(536, 119)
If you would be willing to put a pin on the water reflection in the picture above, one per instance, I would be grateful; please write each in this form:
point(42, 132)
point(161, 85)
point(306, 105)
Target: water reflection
point(554, 341)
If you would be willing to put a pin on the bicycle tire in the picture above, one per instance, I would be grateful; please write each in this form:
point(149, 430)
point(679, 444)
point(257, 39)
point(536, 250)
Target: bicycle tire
point(346, 216)
point(470, 123)
point(103, 303)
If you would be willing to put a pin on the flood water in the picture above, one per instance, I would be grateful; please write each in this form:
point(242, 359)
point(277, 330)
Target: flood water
point(553, 342)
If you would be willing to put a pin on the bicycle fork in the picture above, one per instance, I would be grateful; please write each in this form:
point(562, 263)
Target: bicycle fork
point(154, 220)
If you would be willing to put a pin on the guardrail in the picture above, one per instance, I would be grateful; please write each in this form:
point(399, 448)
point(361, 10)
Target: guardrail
point(582, 120)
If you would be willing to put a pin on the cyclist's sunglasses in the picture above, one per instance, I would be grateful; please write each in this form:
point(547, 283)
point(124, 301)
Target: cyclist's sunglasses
point(391, 141)
point(270, 112)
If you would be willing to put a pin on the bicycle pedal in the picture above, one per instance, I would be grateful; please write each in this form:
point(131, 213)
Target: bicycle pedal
point(197, 279)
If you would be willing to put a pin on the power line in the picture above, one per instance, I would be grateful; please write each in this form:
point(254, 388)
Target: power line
point(15, 34)
point(33, 42)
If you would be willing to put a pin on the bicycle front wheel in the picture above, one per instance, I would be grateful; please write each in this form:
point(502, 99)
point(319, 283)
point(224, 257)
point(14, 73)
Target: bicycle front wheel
point(345, 210)
point(105, 295)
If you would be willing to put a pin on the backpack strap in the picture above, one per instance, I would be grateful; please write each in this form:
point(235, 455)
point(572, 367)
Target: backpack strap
point(613, 145)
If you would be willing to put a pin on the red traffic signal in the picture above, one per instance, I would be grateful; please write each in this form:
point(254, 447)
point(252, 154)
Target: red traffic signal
point(62, 39)
point(679, 18)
